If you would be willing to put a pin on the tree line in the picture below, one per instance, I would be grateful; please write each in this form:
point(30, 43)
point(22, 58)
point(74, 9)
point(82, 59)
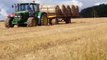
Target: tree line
point(94, 11)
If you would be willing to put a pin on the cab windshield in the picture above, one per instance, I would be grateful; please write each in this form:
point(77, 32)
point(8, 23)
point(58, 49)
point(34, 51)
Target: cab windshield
point(26, 7)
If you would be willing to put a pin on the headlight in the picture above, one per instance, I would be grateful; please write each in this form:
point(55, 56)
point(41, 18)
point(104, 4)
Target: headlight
point(18, 16)
point(38, 16)
point(15, 16)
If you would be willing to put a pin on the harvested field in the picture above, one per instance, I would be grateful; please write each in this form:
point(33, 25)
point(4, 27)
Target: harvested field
point(83, 39)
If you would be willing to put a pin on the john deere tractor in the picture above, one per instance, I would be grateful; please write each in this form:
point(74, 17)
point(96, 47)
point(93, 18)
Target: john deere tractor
point(26, 14)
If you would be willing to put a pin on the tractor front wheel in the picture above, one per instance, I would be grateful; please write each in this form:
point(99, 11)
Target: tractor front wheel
point(8, 23)
point(31, 22)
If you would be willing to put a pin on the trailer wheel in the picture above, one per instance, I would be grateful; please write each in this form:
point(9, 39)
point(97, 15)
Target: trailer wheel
point(44, 19)
point(56, 21)
point(8, 23)
point(31, 22)
point(67, 20)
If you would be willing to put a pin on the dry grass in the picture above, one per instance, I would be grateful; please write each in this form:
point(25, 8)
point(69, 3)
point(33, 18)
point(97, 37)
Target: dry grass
point(84, 39)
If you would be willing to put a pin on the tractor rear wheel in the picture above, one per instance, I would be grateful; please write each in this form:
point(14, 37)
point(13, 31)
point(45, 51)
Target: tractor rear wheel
point(8, 23)
point(31, 22)
point(44, 19)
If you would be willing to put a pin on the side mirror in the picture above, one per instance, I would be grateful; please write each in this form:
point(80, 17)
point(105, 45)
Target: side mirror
point(12, 6)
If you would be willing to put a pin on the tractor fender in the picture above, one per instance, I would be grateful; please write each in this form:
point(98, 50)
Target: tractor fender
point(39, 16)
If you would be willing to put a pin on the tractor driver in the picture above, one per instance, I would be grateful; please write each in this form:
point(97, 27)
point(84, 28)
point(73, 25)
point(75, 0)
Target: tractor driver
point(29, 8)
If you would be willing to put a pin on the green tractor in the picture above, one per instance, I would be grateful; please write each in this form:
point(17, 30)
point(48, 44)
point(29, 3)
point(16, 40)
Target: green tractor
point(26, 14)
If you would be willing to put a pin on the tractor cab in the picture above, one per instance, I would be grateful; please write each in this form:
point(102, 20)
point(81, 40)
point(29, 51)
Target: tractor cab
point(27, 7)
point(30, 8)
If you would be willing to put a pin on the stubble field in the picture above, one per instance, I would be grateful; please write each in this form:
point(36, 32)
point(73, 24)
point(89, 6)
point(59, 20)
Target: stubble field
point(83, 39)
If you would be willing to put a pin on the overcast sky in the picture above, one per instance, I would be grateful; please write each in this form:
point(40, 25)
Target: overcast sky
point(5, 5)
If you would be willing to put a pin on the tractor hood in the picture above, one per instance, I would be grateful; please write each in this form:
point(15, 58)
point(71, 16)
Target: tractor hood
point(21, 17)
point(22, 14)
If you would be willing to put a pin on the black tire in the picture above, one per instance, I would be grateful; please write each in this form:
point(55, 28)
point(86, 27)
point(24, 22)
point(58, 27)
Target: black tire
point(56, 21)
point(8, 23)
point(44, 19)
point(31, 22)
point(67, 20)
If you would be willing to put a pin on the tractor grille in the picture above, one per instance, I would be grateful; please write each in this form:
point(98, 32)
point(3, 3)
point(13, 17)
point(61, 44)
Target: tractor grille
point(22, 14)
point(19, 15)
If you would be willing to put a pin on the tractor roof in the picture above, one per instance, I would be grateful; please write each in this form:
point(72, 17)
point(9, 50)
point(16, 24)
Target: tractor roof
point(28, 3)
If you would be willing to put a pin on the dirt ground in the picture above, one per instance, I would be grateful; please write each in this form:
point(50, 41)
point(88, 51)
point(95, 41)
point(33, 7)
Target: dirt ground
point(83, 39)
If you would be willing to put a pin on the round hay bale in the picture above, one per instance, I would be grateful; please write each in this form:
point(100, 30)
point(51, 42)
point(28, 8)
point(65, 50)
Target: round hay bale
point(66, 13)
point(69, 11)
point(73, 11)
point(58, 11)
point(64, 10)
point(77, 11)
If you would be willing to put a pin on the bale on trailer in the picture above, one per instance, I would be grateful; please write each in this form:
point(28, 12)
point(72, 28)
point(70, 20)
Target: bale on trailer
point(65, 12)
point(58, 11)
point(75, 11)
point(69, 12)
